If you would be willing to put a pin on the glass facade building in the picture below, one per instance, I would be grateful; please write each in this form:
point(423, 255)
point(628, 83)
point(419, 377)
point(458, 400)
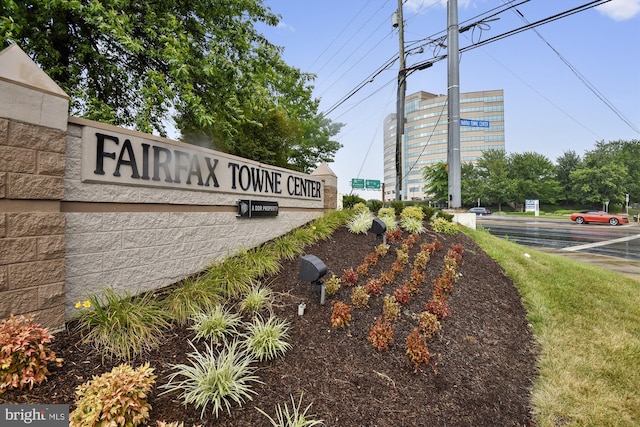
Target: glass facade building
point(426, 134)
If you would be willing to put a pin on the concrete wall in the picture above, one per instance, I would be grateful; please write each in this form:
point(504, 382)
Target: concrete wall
point(68, 228)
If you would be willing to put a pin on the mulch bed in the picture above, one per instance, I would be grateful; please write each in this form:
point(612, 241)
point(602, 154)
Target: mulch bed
point(481, 372)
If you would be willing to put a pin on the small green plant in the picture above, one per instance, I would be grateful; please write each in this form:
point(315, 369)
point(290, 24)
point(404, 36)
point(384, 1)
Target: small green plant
point(359, 297)
point(402, 256)
point(264, 260)
point(216, 324)
point(232, 276)
point(24, 353)
point(121, 325)
point(374, 205)
point(388, 211)
point(360, 207)
point(389, 221)
point(421, 260)
point(258, 298)
point(266, 340)
point(382, 249)
point(390, 307)
point(286, 247)
point(361, 222)
point(332, 285)
point(340, 315)
point(293, 418)
point(444, 215)
point(188, 297)
point(412, 212)
point(304, 235)
point(350, 200)
point(381, 335)
point(412, 225)
point(116, 398)
point(417, 349)
point(213, 378)
point(441, 225)
point(398, 206)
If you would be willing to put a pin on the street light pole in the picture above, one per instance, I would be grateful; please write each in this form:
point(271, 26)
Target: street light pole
point(402, 87)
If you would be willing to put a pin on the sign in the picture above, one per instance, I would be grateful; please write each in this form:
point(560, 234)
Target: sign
point(532, 205)
point(475, 123)
point(114, 156)
point(357, 183)
point(253, 208)
point(372, 184)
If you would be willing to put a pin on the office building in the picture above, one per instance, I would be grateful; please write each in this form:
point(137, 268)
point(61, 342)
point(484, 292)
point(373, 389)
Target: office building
point(426, 131)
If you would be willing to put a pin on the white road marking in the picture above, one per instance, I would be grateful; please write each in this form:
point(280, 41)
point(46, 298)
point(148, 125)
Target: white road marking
point(603, 243)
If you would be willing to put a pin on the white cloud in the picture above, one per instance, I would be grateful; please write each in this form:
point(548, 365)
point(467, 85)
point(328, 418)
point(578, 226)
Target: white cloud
point(421, 6)
point(620, 10)
point(284, 26)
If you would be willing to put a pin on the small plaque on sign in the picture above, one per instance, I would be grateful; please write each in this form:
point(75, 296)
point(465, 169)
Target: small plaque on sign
point(253, 208)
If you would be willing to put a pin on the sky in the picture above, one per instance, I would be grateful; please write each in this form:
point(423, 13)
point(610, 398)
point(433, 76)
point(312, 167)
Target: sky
point(568, 83)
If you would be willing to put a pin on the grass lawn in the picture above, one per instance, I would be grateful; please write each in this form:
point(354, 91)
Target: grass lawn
point(587, 323)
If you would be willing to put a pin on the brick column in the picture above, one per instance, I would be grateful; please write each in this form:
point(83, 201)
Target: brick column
point(330, 185)
point(33, 119)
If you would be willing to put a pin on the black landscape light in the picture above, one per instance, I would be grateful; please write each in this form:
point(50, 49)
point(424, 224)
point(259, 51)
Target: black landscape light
point(378, 227)
point(311, 270)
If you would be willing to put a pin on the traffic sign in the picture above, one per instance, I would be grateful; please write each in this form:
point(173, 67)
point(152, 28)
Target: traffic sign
point(357, 183)
point(372, 184)
point(475, 123)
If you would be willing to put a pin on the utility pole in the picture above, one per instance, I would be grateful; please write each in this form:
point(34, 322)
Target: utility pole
point(402, 87)
point(453, 105)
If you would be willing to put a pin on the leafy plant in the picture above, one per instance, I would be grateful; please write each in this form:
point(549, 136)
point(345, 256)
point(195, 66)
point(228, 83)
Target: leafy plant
point(123, 326)
point(332, 285)
point(389, 221)
point(360, 207)
point(394, 235)
point(216, 324)
point(441, 225)
point(214, 379)
point(362, 269)
point(412, 225)
point(387, 277)
point(417, 349)
point(390, 307)
point(304, 235)
point(373, 286)
point(188, 297)
point(264, 260)
point(359, 297)
point(231, 277)
point(24, 353)
point(388, 211)
point(266, 340)
point(361, 222)
point(349, 276)
point(398, 206)
point(402, 255)
point(350, 200)
point(382, 249)
point(286, 247)
point(421, 260)
point(258, 298)
point(115, 398)
point(428, 324)
point(381, 334)
point(340, 315)
point(444, 215)
point(412, 212)
point(438, 307)
point(371, 259)
point(402, 294)
point(293, 418)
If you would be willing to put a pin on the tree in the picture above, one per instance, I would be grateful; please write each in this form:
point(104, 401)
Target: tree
point(471, 184)
point(437, 178)
point(533, 177)
point(492, 168)
point(199, 67)
point(567, 163)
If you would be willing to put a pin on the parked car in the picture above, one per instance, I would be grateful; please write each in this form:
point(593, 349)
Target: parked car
point(585, 217)
point(480, 211)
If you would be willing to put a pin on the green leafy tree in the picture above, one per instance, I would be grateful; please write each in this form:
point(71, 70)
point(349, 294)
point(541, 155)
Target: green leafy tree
point(471, 184)
point(201, 68)
point(437, 178)
point(565, 165)
point(533, 177)
point(497, 187)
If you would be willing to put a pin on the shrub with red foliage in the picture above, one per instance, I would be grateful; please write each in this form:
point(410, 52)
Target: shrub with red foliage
point(341, 314)
point(417, 349)
point(373, 286)
point(402, 294)
point(349, 276)
point(381, 334)
point(438, 307)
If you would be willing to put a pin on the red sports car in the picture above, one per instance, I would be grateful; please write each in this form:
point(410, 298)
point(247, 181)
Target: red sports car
point(585, 217)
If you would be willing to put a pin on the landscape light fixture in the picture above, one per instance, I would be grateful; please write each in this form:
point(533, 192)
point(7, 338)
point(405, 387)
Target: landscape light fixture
point(379, 228)
point(311, 270)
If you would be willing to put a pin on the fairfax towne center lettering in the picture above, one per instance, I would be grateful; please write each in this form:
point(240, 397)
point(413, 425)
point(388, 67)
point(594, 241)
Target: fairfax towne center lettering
point(117, 158)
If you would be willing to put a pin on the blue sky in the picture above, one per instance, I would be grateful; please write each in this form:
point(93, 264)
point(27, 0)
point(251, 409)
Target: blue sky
point(549, 109)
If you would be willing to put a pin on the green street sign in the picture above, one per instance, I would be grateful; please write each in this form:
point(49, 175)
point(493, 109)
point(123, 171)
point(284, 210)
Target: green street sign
point(372, 184)
point(357, 183)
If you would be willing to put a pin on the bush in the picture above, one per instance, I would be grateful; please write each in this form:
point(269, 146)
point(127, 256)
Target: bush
point(350, 200)
point(374, 205)
point(266, 340)
point(121, 325)
point(412, 212)
point(361, 222)
point(188, 297)
point(446, 216)
point(429, 212)
point(340, 315)
point(116, 398)
point(24, 353)
point(332, 285)
point(216, 324)
point(441, 225)
point(398, 206)
point(258, 298)
point(295, 418)
point(214, 379)
point(381, 335)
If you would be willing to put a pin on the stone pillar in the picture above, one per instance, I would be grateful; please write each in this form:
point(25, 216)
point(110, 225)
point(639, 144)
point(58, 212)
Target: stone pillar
point(330, 180)
point(33, 122)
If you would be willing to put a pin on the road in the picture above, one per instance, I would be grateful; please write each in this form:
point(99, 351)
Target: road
point(616, 248)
